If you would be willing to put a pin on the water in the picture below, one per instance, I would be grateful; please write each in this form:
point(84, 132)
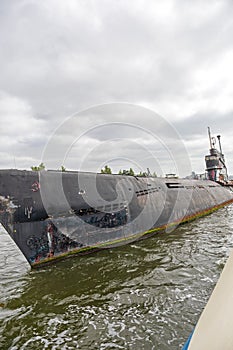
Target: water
point(147, 295)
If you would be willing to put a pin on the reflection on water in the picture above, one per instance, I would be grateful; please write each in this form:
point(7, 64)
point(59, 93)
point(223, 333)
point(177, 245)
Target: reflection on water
point(147, 295)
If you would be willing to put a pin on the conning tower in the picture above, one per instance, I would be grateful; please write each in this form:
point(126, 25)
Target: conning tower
point(215, 162)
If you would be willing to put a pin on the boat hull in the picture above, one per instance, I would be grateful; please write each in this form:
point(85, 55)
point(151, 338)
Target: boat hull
point(54, 215)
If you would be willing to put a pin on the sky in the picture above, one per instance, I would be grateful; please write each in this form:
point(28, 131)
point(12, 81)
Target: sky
point(129, 83)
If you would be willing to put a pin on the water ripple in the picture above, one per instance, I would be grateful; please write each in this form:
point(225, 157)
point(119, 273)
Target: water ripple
point(147, 295)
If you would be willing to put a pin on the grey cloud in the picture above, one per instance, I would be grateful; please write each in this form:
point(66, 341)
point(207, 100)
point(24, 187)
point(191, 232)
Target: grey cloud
point(126, 52)
point(196, 125)
point(62, 57)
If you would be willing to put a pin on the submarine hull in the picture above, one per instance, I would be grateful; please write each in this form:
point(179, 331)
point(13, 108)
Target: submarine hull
point(52, 215)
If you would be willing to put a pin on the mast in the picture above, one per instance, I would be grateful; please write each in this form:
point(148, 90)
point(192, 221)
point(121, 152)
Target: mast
point(209, 137)
point(220, 146)
point(222, 159)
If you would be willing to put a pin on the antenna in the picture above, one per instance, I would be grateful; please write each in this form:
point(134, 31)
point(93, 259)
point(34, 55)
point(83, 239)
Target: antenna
point(210, 137)
point(222, 159)
point(220, 146)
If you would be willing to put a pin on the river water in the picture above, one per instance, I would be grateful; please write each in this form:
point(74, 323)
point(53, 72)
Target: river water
point(146, 295)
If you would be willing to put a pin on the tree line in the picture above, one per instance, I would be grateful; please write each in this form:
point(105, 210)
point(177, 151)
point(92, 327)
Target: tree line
point(41, 166)
point(129, 172)
point(105, 170)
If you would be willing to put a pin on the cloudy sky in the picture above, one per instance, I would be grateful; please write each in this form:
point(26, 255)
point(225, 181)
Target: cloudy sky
point(68, 68)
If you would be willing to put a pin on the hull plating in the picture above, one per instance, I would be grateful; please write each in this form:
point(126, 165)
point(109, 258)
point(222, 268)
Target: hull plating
point(53, 215)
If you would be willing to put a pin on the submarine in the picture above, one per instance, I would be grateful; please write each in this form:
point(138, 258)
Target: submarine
point(53, 215)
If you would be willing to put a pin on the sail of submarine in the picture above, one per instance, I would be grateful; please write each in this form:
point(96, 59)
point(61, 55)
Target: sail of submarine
point(53, 215)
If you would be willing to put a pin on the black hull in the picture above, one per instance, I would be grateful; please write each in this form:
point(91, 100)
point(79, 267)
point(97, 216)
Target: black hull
point(54, 215)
